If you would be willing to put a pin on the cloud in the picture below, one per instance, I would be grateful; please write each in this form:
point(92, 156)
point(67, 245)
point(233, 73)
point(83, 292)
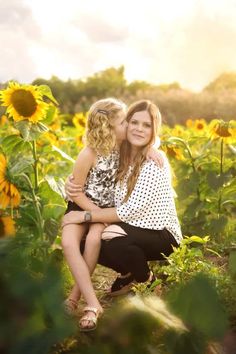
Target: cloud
point(17, 31)
point(100, 29)
point(190, 41)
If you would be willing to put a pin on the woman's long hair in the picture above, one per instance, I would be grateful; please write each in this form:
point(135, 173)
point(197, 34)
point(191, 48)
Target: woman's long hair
point(125, 152)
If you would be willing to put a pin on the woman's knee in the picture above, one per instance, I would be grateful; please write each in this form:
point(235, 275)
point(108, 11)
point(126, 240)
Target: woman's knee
point(112, 231)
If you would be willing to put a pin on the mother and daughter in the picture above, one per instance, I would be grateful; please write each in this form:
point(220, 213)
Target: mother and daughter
point(121, 193)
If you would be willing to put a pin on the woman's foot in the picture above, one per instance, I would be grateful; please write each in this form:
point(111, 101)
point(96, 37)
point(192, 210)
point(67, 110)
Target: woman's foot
point(70, 306)
point(88, 322)
point(122, 285)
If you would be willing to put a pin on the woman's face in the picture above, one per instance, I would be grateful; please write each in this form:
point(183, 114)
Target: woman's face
point(120, 126)
point(139, 132)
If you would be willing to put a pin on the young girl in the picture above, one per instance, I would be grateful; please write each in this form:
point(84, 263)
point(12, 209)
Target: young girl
point(95, 170)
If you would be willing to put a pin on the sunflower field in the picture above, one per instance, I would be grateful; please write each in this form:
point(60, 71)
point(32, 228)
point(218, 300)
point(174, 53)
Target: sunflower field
point(38, 146)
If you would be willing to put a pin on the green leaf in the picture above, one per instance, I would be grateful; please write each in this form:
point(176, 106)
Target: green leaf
point(216, 181)
point(50, 114)
point(46, 91)
point(56, 186)
point(62, 153)
point(232, 263)
point(188, 185)
point(21, 166)
point(51, 229)
point(53, 210)
point(30, 131)
point(202, 240)
point(218, 225)
point(14, 142)
point(198, 304)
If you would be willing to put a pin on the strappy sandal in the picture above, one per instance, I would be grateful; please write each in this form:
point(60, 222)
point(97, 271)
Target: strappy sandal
point(70, 307)
point(92, 318)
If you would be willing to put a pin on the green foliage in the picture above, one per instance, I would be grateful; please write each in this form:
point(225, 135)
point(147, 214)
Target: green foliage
point(176, 104)
point(187, 261)
point(31, 314)
point(40, 157)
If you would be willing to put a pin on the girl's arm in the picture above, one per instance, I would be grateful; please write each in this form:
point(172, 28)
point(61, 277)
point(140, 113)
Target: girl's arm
point(85, 161)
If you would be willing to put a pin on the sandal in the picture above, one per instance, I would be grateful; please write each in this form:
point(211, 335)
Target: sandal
point(92, 318)
point(70, 307)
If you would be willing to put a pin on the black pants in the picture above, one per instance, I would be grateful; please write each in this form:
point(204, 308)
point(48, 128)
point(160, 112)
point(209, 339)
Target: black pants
point(132, 252)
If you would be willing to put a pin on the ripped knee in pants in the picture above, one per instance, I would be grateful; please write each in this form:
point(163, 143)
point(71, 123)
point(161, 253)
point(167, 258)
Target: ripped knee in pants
point(113, 231)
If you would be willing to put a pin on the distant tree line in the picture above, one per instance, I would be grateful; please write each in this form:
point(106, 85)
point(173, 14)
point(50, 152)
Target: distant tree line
point(216, 100)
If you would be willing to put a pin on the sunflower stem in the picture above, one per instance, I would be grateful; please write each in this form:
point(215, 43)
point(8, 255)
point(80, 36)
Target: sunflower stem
point(35, 165)
point(36, 205)
point(192, 161)
point(221, 172)
point(221, 156)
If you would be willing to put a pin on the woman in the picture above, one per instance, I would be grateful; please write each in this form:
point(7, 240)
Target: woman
point(144, 221)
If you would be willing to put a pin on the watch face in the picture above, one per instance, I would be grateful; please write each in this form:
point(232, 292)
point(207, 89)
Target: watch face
point(87, 216)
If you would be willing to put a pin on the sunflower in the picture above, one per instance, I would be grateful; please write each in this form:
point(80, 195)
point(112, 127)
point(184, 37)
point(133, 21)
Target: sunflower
point(200, 124)
point(23, 102)
point(79, 120)
point(173, 151)
point(224, 130)
point(7, 226)
point(3, 120)
point(189, 123)
point(9, 194)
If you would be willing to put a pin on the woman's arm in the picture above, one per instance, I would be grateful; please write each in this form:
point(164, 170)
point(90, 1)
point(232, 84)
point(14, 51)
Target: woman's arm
point(106, 215)
point(152, 182)
point(85, 161)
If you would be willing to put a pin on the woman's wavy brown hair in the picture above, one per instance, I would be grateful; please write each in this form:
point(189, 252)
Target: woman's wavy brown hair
point(99, 133)
point(125, 153)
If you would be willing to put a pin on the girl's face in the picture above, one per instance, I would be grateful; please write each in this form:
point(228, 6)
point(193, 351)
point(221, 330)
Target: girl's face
point(139, 132)
point(120, 126)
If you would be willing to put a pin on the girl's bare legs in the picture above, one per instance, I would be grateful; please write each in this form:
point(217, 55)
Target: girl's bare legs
point(90, 255)
point(71, 237)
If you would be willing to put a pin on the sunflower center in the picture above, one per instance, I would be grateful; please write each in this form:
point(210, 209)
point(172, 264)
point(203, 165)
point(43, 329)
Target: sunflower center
point(24, 102)
point(200, 126)
point(1, 228)
point(223, 131)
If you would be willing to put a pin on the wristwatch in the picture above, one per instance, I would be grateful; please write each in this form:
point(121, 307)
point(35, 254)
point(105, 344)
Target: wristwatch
point(88, 216)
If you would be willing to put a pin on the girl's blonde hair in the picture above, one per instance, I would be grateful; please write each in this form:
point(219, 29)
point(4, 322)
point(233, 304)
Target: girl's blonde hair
point(125, 153)
point(99, 133)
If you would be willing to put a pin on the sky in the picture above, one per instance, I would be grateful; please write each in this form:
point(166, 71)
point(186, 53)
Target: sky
point(159, 41)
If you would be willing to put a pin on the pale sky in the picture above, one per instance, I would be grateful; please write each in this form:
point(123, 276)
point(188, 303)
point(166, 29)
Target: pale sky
point(159, 41)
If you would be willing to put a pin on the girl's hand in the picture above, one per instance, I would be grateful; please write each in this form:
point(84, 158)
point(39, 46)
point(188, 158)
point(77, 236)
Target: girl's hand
point(73, 217)
point(72, 189)
point(156, 156)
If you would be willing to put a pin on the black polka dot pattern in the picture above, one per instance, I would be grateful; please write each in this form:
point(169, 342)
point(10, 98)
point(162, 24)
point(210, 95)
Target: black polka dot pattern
point(151, 204)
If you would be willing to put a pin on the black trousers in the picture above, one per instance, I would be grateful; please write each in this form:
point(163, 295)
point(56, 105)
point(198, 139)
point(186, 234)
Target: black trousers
point(132, 252)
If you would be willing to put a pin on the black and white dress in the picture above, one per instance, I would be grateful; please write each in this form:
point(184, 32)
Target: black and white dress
point(100, 183)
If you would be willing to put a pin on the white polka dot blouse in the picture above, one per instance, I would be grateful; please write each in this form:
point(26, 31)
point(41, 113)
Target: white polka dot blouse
point(151, 204)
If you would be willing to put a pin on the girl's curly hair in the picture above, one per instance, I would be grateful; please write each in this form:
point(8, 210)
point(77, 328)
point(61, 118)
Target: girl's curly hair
point(99, 133)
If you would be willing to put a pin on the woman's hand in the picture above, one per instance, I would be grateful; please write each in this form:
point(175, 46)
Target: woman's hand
point(73, 217)
point(72, 189)
point(156, 156)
